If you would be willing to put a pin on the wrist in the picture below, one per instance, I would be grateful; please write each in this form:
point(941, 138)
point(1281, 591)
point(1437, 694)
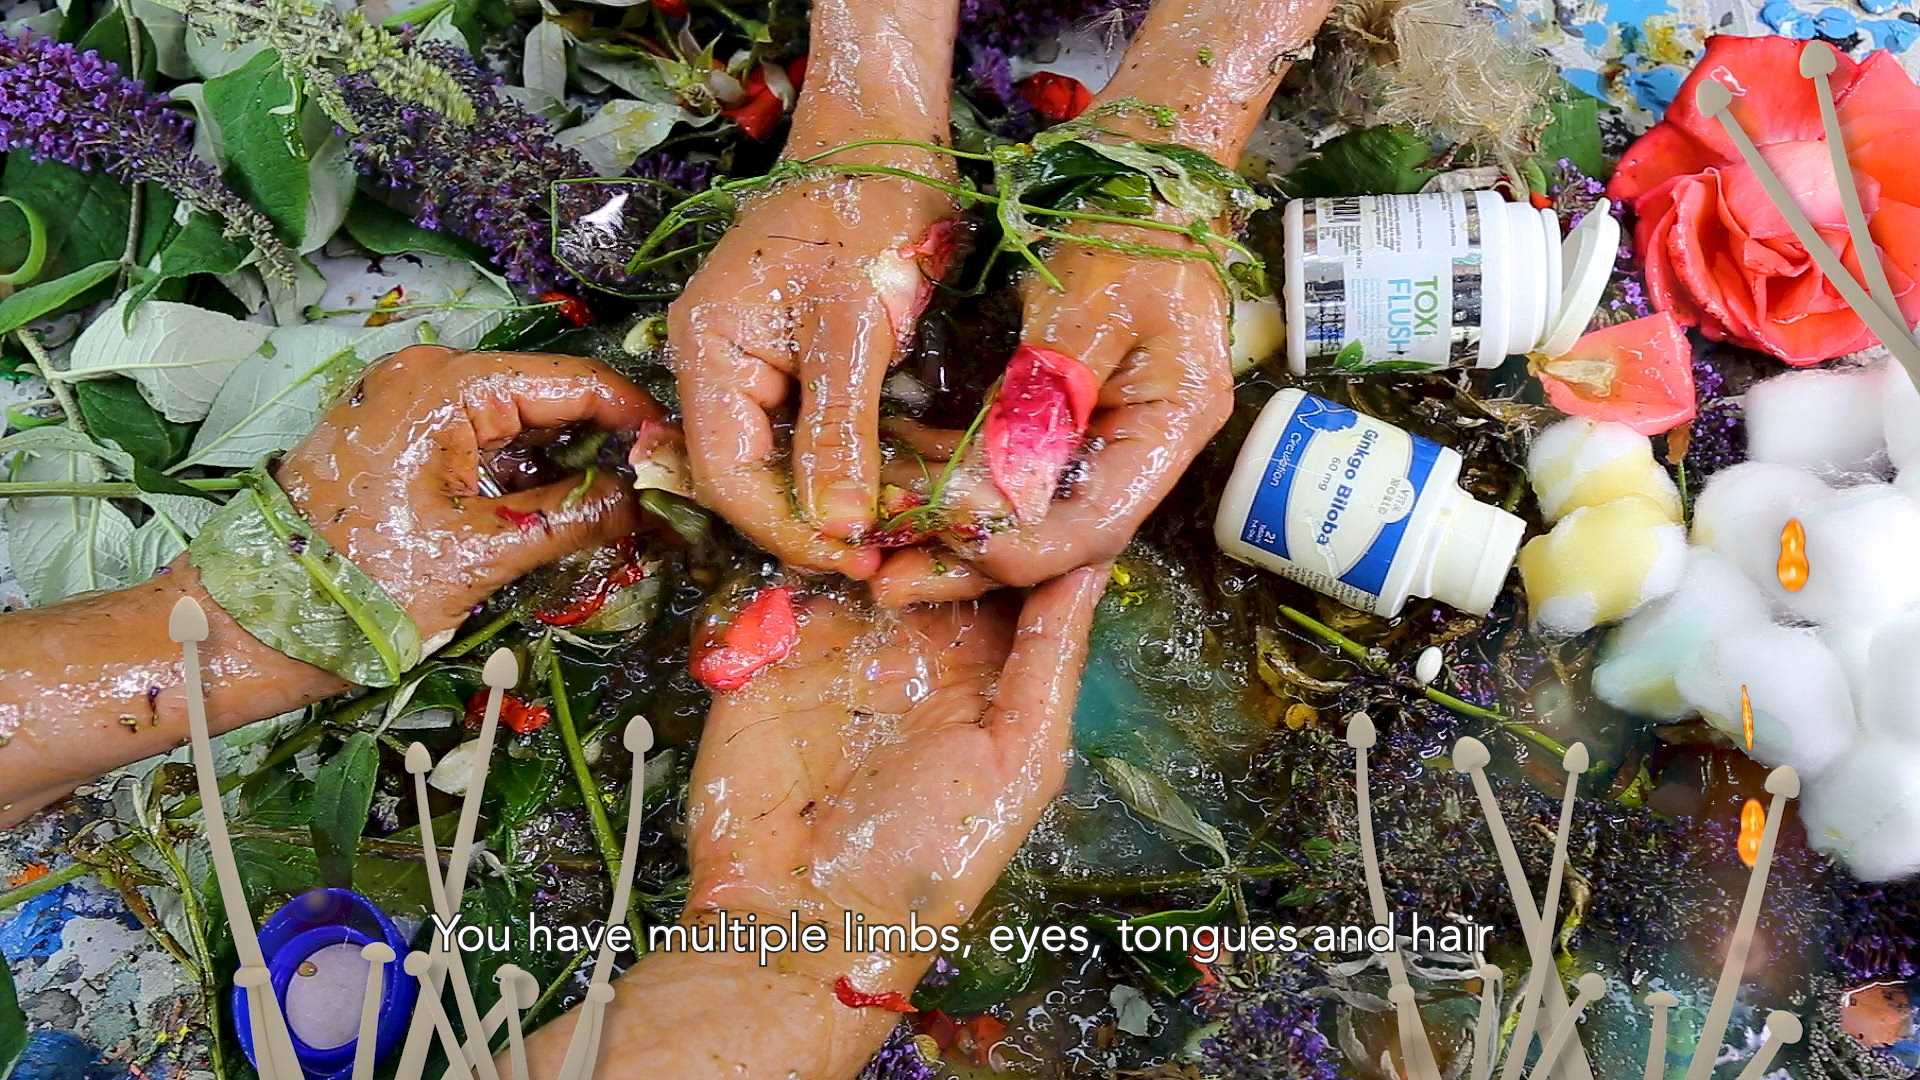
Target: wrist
point(879, 69)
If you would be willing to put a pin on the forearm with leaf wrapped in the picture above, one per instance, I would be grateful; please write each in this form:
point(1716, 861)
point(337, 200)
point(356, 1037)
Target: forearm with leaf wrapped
point(362, 549)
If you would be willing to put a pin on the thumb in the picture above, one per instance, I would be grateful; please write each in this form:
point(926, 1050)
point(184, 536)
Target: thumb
point(1031, 718)
point(531, 528)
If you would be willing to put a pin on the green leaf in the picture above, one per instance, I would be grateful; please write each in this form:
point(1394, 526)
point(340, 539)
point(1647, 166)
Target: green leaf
point(115, 410)
point(13, 1023)
point(274, 397)
point(526, 778)
point(200, 247)
point(36, 257)
point(386, 231)
point(271, 871)
point(1170, 970)
point(342, 796)
point(155, 482)
point(52, 297)
point(262, 562)
point(85, 212)
point(108, 37)
point(1372, 161)
point(277, 798)
point(59, 546)
point(180, 354)
point(1574, 133)
point(986, 977)
point(260, 130)
point(1154, 799)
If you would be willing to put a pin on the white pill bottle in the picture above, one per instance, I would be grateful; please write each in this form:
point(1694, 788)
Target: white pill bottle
point(1362, 511)
point(1401, 283)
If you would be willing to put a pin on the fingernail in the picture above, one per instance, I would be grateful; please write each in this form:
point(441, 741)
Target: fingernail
point(844, 506)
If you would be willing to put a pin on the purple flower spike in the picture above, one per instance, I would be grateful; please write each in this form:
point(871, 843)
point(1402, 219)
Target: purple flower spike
point(60, 104)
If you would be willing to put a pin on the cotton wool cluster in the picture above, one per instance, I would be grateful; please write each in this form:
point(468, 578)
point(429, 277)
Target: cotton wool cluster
point(1832, 670)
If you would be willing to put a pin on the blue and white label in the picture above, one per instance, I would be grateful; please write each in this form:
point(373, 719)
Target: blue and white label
point(1336, 496)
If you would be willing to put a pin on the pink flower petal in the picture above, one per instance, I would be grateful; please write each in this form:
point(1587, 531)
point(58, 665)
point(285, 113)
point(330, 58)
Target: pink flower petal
point(1770, 99)
point(1652, 385)
point(1657, 157)
point(1035, 424)
point(1881, 86)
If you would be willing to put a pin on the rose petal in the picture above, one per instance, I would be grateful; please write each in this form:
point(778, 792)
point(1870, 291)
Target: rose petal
point(1652, 385)
point(1893, 159)
point(1770, 100)
point(1657, 157)
point(1881, 86)
point(1896, 228)
point(905, 278)
point(1805, 169)
point(1700, 243)
point(1035, 424)
point(761, 635)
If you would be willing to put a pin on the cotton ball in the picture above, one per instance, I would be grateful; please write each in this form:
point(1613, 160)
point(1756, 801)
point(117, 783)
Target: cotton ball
point(1865, 811)
point(1601, 564)
point(1637, 668)
point(1743, 508)
point(1861, 565)
point(1849, 643)
point(1890, 706)
point(1900, 416)
point(1802, 710)
point(1827, 421)
point(1579, 462)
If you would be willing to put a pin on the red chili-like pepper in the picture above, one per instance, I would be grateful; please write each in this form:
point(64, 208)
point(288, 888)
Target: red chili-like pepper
point(890, 1000)
point(1540, 200)
point(572, 308)
point(973, 1040)
point(797, 71)
point(761, 635)
point(630, 571)
point(672, 9)
point(1056, 97)
point(761, 112)
point(519, 716)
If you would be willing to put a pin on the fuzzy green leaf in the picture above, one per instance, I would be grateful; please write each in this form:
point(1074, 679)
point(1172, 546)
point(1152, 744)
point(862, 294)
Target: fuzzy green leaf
point(1371, 161)
point(385, 231)
point(115, 410)
point(1574, 133)
point(200, 247)
point(61, 546)
point(262, 562)
point(255, 109)
point(13, 1023)
point(1154, 799)
point(342, 796)
point(52, 297)
point(180, 354)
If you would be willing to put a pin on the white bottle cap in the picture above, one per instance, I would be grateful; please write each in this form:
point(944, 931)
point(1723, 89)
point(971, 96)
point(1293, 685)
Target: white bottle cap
point(1472, 554)
point(1587, 257)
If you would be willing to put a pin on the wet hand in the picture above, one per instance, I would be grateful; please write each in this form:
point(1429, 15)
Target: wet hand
point(391, 476)
point(1151, 332)
point(781, 343)
point(891, 765)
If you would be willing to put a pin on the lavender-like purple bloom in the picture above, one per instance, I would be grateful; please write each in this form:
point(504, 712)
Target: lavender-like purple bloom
point(1268, 1032)
point(899, 1059)
point(60, 104)
point(487, 181)
point(1718, 438)
point(1876, 931)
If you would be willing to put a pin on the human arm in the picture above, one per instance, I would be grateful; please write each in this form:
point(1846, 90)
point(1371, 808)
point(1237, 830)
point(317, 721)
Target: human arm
point(809, 297)
point(890, 768)
point(390, 479)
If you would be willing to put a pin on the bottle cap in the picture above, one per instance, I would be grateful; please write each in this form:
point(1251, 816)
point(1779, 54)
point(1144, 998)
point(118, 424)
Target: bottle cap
point(1473, 553)
point(1587, 257)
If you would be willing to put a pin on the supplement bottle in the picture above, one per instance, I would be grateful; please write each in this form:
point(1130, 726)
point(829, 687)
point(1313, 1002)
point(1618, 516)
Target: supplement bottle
point(1380, 283)
point(1362, 511)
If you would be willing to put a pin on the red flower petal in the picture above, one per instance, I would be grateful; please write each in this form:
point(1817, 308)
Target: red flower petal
point(1881, 86)
point(890, 1000)
point(1770, 99)
point(672, 9)
point(519, 717)
point(1893, 159)
point(1056, 97)
point(905, 280)
point(1045, 401)
point(571, 308)
point(761, 635)
point(1652, 375)
point(761, 112)
point(1660, 155)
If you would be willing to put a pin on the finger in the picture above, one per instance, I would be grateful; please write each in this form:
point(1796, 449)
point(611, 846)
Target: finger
point(506, 394)
point(1031, 718)
point(918, 575)
point(932, 443)
point(724, 397)
point(1158, 412)
point(531, 528)
point(836, 436)
point(1096, 320)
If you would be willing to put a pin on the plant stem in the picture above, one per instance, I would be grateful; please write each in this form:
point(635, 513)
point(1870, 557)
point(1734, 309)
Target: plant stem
point(102, 489)
point(582, 774)
point(62, 393)
point(483, 635)
point(1366, 659)
point(16, 896)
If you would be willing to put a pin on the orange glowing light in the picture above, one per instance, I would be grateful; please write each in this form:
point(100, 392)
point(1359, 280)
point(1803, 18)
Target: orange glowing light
point(1793, 568)
point(1746, 716)
point(1753, 822)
